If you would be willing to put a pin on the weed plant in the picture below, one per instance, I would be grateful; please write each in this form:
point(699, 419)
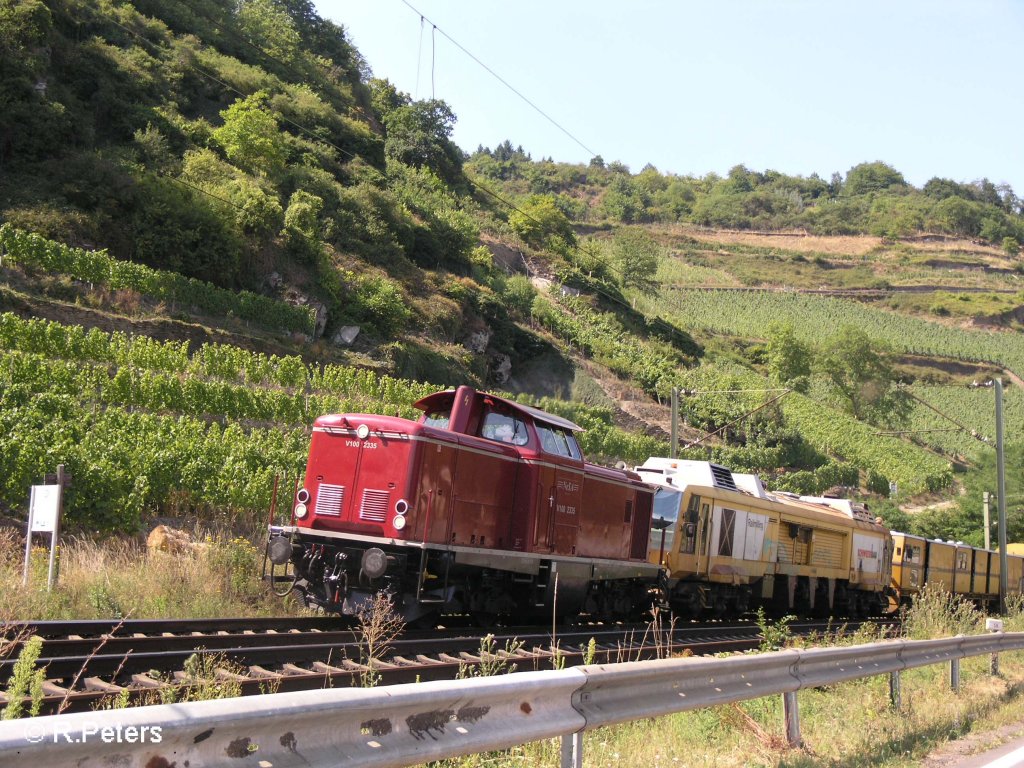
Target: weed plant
point(219, 575)
point(937, 613)
point(847, 725)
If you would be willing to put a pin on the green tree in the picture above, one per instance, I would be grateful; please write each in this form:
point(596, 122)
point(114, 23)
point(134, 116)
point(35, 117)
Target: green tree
point(789, 359)
point(624, 200)
point(270, 27)
point(637, 256)
point(958, 216)
point(872, 177)
point(418, 132)
point(861, 378)
point(250, 136)
point(541, 224)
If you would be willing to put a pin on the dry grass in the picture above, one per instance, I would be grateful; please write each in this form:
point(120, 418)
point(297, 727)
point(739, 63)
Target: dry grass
point(117, 578)
point(838, 245)
point(843, 726)
point(846, 245)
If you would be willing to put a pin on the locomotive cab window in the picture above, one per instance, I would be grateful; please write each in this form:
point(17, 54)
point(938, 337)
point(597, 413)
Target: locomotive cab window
point(438, 418)
point(504, 428)
point(558, 441)
point(666, 508)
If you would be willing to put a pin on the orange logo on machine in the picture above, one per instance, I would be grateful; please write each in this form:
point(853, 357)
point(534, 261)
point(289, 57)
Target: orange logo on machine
point(868, 553)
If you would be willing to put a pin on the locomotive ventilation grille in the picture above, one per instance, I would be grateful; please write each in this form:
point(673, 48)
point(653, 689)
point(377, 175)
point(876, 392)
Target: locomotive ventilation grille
point(329, 499)
point(375, 505)
point(723, 477)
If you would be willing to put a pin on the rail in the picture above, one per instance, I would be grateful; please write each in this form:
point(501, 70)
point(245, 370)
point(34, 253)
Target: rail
point(416, 723)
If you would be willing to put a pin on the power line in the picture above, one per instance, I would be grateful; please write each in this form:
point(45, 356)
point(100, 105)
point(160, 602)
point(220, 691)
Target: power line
point(690, 392)
point(917, 431)
point(504, 82)
point(433, 57)
point(972, 432)
point(477, 185)
point(737, 419)
point(419, 58)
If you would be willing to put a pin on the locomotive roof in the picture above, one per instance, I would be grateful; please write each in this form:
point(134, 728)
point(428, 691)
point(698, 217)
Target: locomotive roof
point(439, 399)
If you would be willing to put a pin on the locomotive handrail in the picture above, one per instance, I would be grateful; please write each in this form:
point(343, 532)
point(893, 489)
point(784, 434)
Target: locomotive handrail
point(412, 724)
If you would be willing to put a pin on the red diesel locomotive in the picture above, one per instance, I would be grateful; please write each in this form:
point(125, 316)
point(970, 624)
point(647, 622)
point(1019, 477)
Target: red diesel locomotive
point(483, 506)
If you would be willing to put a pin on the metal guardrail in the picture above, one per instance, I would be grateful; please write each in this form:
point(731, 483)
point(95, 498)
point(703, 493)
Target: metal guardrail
point(412, 724)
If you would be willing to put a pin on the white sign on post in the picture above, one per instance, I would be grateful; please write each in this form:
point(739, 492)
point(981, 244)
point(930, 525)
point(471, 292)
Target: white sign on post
point(45, 507)
point(44, 517)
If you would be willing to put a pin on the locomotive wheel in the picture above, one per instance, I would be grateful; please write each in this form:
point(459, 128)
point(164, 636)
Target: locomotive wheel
point(854, 605)
point(802, 599)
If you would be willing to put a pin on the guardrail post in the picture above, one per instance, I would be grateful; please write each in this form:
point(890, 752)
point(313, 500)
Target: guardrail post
point(995, 626)
point(954, 675)
point(572, 750)
point(895, 692)
point(791, 714)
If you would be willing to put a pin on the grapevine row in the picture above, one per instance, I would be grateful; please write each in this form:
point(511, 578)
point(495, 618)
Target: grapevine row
point(973, 408)
point(123, 464)
point(216, 361)
point(163, 392)
point(813, 318)
point(830, 431)
point(31, 250)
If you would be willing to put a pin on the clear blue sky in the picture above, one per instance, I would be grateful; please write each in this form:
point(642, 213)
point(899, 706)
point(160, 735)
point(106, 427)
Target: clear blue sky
point(799, 86)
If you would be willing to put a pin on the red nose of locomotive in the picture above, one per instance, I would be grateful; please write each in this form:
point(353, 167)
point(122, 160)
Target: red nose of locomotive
point(358, 476)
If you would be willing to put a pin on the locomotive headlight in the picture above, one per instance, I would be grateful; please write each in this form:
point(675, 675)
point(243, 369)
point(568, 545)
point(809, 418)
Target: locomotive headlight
point(362, 431)
point(401, 507)
point(398, 522)
point(301, 511)
point(302, 496)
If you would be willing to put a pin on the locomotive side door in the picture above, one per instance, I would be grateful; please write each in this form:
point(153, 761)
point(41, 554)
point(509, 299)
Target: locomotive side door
point(545, 508)
point(694, 535)
point(568, 495)
point(559, 490)
point(433, 503)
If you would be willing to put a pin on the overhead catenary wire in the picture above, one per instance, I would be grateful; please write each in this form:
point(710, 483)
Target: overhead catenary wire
point(972, 432)
point(725, 426)
point(419, 57)
point(433, 58)
point(502, 80)
point(616, 299)
point(891, 432)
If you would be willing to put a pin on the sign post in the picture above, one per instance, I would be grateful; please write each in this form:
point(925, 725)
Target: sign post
point(44, 509)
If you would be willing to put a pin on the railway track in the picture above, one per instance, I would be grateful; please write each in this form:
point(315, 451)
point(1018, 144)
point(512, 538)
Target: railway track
point(98, 663)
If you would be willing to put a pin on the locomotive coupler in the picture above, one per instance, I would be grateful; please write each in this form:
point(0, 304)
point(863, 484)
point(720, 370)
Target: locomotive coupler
point(337, 573)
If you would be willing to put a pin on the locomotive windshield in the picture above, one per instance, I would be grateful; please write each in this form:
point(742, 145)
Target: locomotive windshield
point(663, 519)
point(666, 508)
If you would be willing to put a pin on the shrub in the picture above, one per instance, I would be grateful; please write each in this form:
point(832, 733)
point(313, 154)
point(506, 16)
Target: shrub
point(379, 301)
point(518, 294)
